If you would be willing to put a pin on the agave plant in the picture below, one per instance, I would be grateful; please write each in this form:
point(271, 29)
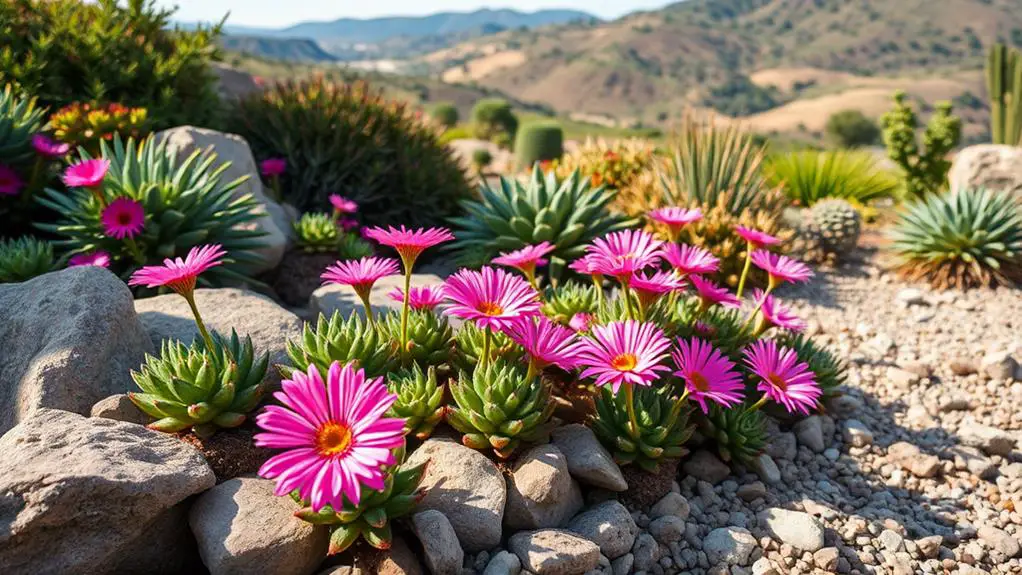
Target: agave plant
point(663, 426)
point(24, 258)
point(738, 433)
point(810, 176)
point(185, 203)
point(567, 213)
point(341, 340)
point(963, 239)
point(192, 387)
point(430, 337)
point(420, 400)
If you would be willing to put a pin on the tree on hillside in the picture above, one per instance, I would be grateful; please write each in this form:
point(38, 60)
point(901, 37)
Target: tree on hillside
point(852, 129)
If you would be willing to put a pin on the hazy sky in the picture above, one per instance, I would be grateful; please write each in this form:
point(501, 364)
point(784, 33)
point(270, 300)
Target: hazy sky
point(280, 13)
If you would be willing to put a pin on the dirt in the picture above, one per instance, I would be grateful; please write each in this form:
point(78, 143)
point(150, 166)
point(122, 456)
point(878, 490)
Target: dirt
point(645, 488)
point(230, 452)
point(299, 275)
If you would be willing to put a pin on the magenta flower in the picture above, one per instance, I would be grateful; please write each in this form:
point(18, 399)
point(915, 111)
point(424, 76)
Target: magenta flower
point(343, 205)
point(621, 254)
point(361, 274)
point(526, 259)
point(707, 373)
point(711, 294)
point(123, 218)
point(98, 258)
point(546, 342)
point(48, 147)
point(422, 298)
point(650, 289)
point(783, 378)
point(408, 243)
point(781, 268)
point(627, 352)
point(687, 260)
point(86, 174)
point(491, 297)
point(756, 238)
point(271, 167)
point(336, 437)
point(584, 265)
point(675, 219)
point(581, 322)
point(774, 313)
point(10, 182)
point(348, 224)
point(180, 274)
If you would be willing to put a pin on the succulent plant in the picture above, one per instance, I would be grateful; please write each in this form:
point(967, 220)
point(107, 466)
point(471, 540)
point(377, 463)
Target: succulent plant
point(567, 213)
point(807, 243)
point(20, 119)
point(722, 327)
point(22, 172)
point(371, 519)
point(925, 169)
point(738, 433)
point(498, 407)
point(839, 224)
point(563, 302)
point(190, 387)
point(830, 371)
point(341, 340)
point(470, 347)
point(85, 125)
point(420, 399)
point(316, 232)
point(663, 426)
point(614, 164)
point(963, 239)
point(430, 337)
point(24, 258)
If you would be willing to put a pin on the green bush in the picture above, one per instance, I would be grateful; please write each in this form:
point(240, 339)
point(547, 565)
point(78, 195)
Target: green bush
point(925, 170)
point(810, 176)
point(445, 114)
point(65, 51)
point(851, 129)
point(347, 139)
point(457, 133)
point(494, 120)
point(539, 142)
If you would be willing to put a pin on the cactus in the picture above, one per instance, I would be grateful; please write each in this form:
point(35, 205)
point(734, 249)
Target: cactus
point(1004, 85)
point(839, 224)
point(539, 142)
point(924, 170)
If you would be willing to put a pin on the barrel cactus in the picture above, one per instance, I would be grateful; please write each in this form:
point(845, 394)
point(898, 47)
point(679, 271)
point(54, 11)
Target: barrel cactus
point(538, 142)
point(839, 224)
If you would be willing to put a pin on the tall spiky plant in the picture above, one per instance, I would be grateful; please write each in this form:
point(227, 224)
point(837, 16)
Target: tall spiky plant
point(1004, 86)
point(810, 176)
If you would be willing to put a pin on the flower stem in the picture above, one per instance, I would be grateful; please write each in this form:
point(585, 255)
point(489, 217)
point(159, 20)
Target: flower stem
point(369, 308)
point(485, 359)
point(745, 270)
point(97, 191)
point(190, 298)
point(759, 305)
point(762, 401)
point(633, 421)
point(627, 292)
point(599, 294)
point(405, 304)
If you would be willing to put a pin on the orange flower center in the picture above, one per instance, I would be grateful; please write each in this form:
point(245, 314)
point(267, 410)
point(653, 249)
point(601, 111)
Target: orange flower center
point(778, 382)
point(624, 362)
point(698, 381)
point(490, 308)
point(333, 439)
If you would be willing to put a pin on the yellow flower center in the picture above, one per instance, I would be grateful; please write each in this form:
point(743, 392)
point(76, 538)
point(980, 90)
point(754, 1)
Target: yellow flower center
point(333, 439)
point(490, 308)
point(624, 362)
point(698, 381)
point(778, 382)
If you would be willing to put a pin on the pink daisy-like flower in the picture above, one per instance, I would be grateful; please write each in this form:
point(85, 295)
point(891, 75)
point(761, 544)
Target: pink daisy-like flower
point(756, 238)
point(98, 258)
point(781, 268)
point(343, 205)
point(10, 182)
point(408, 243)
point(584, 265)
point(627, 352)
point(687, 260)
point(621, 254)
point(48, 147)
point(361, 274)
point(676, 218)
point(348, 224)
point(180, 274)
point(336, 437)
point(707, 373)
point(123, 218)
point(783, 378)
point(421, 298)
point(774, 313)
point(272, 167)
point(491, 297)
point(546, 342)
point(651, 288)
point(86, 174)
point(711, 294)
point(525, 259)
point(581, 322)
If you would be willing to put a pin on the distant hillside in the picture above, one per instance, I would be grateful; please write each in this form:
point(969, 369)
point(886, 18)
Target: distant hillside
point(287, 49)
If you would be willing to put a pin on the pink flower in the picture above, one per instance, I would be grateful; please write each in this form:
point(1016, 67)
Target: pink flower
point(686, 259)
point(650, 289)
point(343, 205)
point(123, 218)
point(774, 313)
point(525, 259)
point(408, 243)
point(271, 167)
point(581, 322)
point(348, 224)
point(546, 342)
point(421, 298)
point(626, 352)
point(180, 274)
point(86, 174)
point(10, 182)
point(711, 294)
point(585, 265)
point(621, 254)
point(98, 258)
point(48, 147)
point(781, 268)
point(707, 373)
point(336, 437)
point(676, 218)
point(756, 238)
point(491, 297)
point(361, 274)
point(782, 377)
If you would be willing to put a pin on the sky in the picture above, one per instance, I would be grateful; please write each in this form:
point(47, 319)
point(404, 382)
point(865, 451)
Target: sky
point(281, 13)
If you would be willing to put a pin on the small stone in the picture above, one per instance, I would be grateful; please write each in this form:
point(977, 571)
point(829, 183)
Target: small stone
point(646, 551)
point(826, 558)
point(443, 553)
point(398, 560)
point(856, 433)
point(998, 540)
point(729, 546)
point(588, 461)
point(999, 365)
point(503, 563)
point(671, 504)
point(910, 296)
point(119, 408)
point(798, 529)
point(783, 445)
point(622, 565)
point(763, 566)
point(843, 405)
point(973, 459)
point(963, 366)
point(667, 529)
point(954, 402)
point(609, 525)
point(929, 546)
point(910, 458)
point(990, 439)
point(891, 540)
point(766, 469)
point(705, 466)
point(554, 552)
point(919, 368)
point(810, 433)
point(540, 491)
point(901, 377)
point(752, 491)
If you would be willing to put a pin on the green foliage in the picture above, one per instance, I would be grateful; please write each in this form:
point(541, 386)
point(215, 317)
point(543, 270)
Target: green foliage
point(810, 176)
point(839, 224)
point(663, 426)
point(851, 129)
point(21, 169)
point(186, 204)
point(445, 114)
point(191, 387)
point(738, 433)
point(337, 339)
point(456, 133)
point(319, 233)
point(1004, 86)
point(470, 347)
point(347, 139)
point(830, 371)
point(925, 170)
point(493, 120)
point(567, 213)
point(64, 51)
point(86, 125)
point(962, 239)
point(420, 400)
point(481, 159)
point(539, 142)
point(563, 302)
point(430, 337)
point(24, 258)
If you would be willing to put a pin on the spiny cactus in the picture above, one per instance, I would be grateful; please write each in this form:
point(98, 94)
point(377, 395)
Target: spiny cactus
point(1004, 86)
point(839, 224)
point(925, 169)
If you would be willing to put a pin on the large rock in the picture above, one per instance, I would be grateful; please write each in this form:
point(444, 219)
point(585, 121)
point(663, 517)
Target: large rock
point(68, 339)
point(540, 491)
point(609, 525)
point(729, 546)
point(800, 530)
point(554, 552)
point(232, 83)
point(119, 408)
point(332, 297)
point(274, 220)
point(466, 487)
point(242, 527)
point(588, 461)
point(991, 440)
point(77, 494)
point(444, 555)
point(991, 166)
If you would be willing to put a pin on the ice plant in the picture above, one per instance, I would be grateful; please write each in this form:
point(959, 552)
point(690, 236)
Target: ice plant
point(526, 259)
point(49, 148)
point(780, 268)
point(783, 378)
point(10, 182)
point(361, 275)
point(348, 224)
point(772, 313)
point(546, 342)
point(491, 298)
point(711, 294)
point(273, 168)
point(688, 260)
point(88, 174)
point(342, 205)
point(335, 435)
point(97, 258)
point(585, 265)
point(421, 298)
point(676, 219)
point(622, 254)
point(123, 218)
point(708, 375)
point(580, 322)
point(754, 240)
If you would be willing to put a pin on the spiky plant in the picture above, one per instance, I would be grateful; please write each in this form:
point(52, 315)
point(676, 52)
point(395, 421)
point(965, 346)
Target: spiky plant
point(925, 167)
point(186, 203)
point(24, 258)
point(497, 407)
point(430, 337)
point(737, 433)
point(810, 176)
point(20, 119)
point(567, 213)
point(563, 302)
point(420, 399)
point(830, 371)
point(839, 225)
point(963, 239)
point(337, 339)
point(663, 426)
point(191, 387)
point(470, 347)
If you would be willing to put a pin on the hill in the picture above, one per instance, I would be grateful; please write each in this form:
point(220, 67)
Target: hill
point(286, 49)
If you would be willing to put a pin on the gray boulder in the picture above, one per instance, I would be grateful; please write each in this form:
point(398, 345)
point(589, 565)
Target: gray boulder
point(588, 461)
point(609, 525)
point(554, 552)
point(119, 408)
point(540, 491)
point(991, 166)
point(444, 555)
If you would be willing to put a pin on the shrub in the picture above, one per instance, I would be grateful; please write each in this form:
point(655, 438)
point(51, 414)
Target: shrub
point(456, 133)
point(65, 51)
point(445, 114)
point(539, 142)
point(24, 258)
point(614, 164)
point(85, 125)
point(851, 129)
point(960, 240)
point(810, 176)
point(494, 120)
point(348, 140)
point(924, 170)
